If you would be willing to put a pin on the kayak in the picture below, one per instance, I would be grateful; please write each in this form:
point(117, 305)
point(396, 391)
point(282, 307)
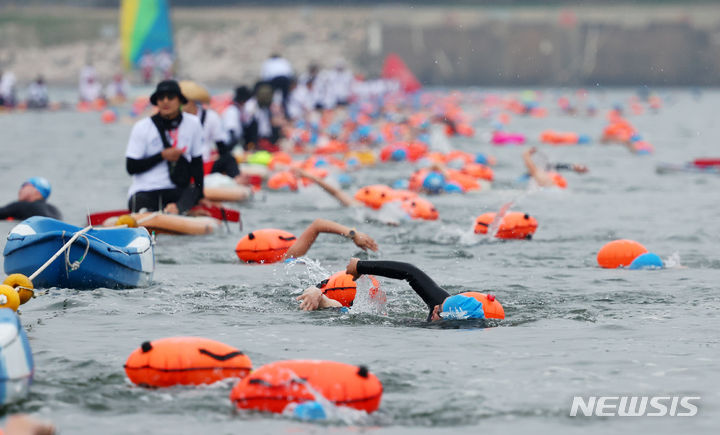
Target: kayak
point(219, 213)
point(111, 258)
point(16, 361)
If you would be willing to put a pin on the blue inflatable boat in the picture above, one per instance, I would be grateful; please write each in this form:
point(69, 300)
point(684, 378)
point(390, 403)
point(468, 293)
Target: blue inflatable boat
point(108, 257)
point(16, 361)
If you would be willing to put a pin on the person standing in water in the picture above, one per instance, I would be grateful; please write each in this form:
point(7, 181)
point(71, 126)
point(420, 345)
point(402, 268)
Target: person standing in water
point(164, 155)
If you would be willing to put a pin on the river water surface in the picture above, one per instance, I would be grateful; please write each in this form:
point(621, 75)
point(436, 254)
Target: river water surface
point(571, 328)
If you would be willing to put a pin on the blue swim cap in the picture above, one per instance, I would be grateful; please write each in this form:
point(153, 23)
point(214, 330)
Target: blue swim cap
point(583, 139)
point(401, 184)
point(462, 307)
point(398, 155)
point(434, 182)
point(41, 184)
point(647, 260)
point(453, 187)
point(309, 411)
point(481, 158)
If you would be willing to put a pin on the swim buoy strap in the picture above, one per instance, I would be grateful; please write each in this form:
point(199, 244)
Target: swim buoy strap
point(287, 239)
point(281, 384)
point(220, 357)
point(483, 224)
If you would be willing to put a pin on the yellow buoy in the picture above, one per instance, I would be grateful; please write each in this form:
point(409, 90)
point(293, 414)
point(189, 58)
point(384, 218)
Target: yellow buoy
point(22, 285)
point(9, 298)
point(126, 219)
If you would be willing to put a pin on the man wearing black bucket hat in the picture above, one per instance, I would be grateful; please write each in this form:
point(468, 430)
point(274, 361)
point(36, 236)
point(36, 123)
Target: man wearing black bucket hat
point(164, 155)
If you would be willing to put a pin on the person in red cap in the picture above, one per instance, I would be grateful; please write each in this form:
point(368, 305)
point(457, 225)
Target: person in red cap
point(164, 156)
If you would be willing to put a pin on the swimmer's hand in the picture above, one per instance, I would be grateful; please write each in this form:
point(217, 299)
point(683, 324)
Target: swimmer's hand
point(313, 299)
point(580, 169)
point(351, 268)
point(365, 242)
point(20, 424)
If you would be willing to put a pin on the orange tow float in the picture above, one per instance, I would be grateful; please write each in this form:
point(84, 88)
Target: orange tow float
point(264, 246)
point(514, 225)
point(185, 361)
point(274, 386)
point(490, 305)
point(374, 196)
point(619, 253)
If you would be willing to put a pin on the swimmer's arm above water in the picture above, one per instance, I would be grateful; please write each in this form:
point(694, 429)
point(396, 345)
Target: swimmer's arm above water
point(314, 299)
point(307, 238)
point(345, 199)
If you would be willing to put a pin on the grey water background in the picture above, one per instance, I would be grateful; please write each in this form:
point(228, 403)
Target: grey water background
point(571, 328)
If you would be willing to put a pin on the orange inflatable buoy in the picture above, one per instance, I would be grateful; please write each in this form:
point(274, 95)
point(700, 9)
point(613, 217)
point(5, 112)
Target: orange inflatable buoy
point(491, 307)
point(420, 208)
point(284, 180)
point(264, 246)
point(274, 386)
point(467, 182)
point(619, 253)
point(280, 158)
point(340, 287)
point(478, 170)
point(374, 196)
point(514, 225)
point(558, 179)
point(185, 361)
point(402, 195)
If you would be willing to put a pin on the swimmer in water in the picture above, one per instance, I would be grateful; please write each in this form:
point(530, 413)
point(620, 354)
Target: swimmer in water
point(439, 302)
point(544, 176)
point(32, 201)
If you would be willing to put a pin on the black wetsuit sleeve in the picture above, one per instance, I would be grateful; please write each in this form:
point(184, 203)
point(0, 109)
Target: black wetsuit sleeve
point(24, 209)
point(563, 167)
point(423, 285)
point(138, 166)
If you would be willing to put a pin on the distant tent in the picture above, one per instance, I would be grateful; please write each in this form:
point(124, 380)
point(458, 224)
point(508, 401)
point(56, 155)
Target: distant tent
point(144, 26)
point(395, 69)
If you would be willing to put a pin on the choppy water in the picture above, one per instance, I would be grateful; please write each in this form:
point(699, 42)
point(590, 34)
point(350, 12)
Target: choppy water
point(571, 328)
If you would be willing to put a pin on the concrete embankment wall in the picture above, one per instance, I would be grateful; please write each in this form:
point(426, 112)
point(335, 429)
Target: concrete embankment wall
point(574, 46)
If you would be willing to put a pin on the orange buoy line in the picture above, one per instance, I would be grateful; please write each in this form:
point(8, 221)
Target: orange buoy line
point(264, 246)
point(185, 361)
point(274, 386)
